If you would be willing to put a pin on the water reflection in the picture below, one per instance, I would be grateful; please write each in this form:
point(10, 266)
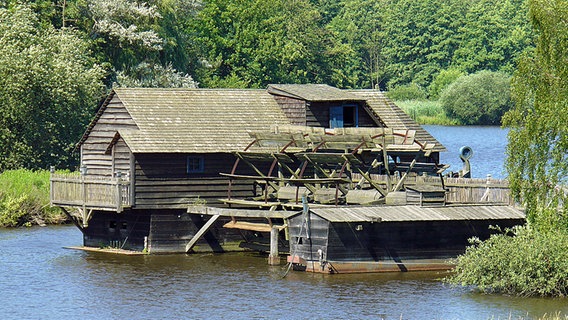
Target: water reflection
point(48, 282)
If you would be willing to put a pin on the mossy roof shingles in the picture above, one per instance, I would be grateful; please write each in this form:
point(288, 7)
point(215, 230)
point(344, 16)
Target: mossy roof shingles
point(197, 120)
point(220, 120)
point(312, 92)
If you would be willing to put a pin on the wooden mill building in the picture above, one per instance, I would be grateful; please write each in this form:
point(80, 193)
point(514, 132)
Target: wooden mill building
point(182, 170)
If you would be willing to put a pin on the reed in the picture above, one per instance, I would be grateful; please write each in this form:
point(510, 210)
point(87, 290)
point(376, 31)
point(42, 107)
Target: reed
point(24, 199)
point(426, 112)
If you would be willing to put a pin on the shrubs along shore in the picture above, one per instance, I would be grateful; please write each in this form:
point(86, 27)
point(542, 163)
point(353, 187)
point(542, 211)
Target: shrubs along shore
point(24, 199)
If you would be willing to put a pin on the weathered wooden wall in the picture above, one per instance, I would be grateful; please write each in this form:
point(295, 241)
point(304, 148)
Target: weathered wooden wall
point(366, 241)
point(405, 240)
point(307, 247)
point(124, 230)
point(317, 115)
point(162, 181)
point(171, 230)
point(121, 158)
point(294, 109)
point(93, 150)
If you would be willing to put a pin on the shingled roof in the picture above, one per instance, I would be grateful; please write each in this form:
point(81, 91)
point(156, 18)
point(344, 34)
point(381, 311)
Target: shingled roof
point(220, 120)
point(312, 92)
point(196, 120)
point(418, 213)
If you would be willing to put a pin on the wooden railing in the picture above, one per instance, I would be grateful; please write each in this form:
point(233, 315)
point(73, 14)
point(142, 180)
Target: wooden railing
point(74, 190)
point(460, 190)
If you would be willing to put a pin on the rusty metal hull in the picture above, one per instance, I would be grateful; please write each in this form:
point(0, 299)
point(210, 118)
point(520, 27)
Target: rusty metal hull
point(338, 267)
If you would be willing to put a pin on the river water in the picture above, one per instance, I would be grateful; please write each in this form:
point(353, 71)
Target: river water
point(488, 144)
point(40, 279)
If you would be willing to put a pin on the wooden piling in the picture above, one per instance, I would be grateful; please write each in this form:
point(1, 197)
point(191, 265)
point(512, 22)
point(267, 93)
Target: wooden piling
point(273, 257)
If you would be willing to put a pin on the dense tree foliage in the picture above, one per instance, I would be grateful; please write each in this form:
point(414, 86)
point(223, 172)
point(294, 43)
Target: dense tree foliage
point(242, 43)
point(480, 98)
point(129, 35)
point(442, 81)
point(537, 159)
point(533, 261)
point(249, 43)
point(253, 42)
point(406, 92)
point(359, 32)
point(49, 87)
point(425, 37)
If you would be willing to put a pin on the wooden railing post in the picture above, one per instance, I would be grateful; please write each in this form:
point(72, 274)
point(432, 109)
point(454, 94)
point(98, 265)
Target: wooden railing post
point(84, 193)
point(51, 182)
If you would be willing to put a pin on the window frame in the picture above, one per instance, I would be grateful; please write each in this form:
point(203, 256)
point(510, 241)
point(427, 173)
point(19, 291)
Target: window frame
point(195, 164)
point(337, 115)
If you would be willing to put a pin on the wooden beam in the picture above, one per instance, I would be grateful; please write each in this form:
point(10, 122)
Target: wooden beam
point(401, 182)
point(375, 185)
point(200, 233)
point(237, 212)
point(252, 226)
point(73, 219)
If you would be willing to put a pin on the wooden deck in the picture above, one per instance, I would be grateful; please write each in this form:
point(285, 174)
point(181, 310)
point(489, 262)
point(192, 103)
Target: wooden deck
point(73, 190)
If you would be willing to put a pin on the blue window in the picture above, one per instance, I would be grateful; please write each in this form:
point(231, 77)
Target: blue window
point(343, 116)
point(195, 164)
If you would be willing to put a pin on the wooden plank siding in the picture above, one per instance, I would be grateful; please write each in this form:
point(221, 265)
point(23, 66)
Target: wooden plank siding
point(93, 150)
point(126, 230)
point(405, 240)
point(121, 157)
point(307, 247)
point(162, 180)
point(171, 230)
point(317, 115)
point(294, 109)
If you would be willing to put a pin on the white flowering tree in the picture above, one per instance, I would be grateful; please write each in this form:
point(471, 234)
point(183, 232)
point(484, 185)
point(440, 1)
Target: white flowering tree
point(140, 40)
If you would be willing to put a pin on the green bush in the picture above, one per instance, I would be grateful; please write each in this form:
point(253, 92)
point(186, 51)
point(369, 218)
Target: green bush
point(410, 91)
point(24, 199)
point(442, 81)
point(480, 98)
point(525, 263)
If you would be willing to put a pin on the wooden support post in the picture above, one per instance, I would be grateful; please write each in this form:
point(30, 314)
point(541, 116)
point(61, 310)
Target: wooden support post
point(401, 181)
point(386, 162)
point(201, 232)
point(273, 257)
point(73, 219)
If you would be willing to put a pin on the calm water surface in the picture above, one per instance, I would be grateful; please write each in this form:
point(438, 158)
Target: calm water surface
point(488, 144)
point(42, 280)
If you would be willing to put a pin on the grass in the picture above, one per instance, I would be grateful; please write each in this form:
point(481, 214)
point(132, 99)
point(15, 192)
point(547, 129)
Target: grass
point(24, 199)
point(556, 316)
point(426, 112)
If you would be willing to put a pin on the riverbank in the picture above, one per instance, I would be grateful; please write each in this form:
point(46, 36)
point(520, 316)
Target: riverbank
point(24, 199)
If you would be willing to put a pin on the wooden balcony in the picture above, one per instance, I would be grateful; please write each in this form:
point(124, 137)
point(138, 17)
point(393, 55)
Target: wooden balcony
point(90, 193)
